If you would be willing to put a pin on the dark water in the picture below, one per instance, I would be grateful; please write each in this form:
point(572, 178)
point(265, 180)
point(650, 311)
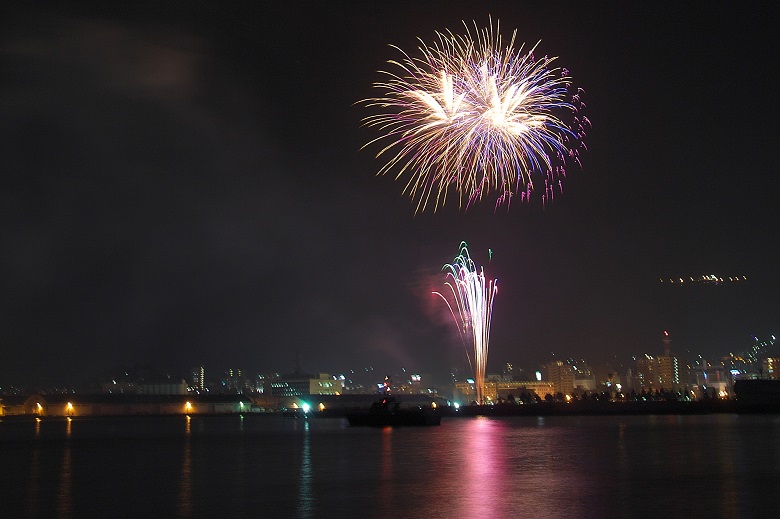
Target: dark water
point(261, 466)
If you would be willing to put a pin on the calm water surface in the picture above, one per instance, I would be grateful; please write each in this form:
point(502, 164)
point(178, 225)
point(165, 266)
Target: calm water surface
point(263, 466)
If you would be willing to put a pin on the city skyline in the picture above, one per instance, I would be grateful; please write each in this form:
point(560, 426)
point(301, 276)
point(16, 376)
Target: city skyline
point(188, 182)
point(231, 378)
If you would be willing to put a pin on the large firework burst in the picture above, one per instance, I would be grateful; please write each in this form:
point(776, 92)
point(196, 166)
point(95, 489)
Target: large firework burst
point(470, 300)
point(477, 117)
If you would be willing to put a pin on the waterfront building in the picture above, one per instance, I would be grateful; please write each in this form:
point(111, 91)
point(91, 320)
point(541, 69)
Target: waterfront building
point(561, 375)
point(517, 389)
point(645, 373)
point(770, 367)
point(324, 384)
point(466, 392)
point(149, 386)
point(163, 387)
point(415, 384)
point(666, 372)
point(300, 384)
point(711, 381)
point(672, 370)
point(662, 373)
point(495, 390)
point(584, 378)
point(585, 383)
point(235, 381)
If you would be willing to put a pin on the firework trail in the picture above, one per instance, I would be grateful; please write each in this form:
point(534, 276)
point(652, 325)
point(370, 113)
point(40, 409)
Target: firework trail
point(477, 117)
point(470, 300)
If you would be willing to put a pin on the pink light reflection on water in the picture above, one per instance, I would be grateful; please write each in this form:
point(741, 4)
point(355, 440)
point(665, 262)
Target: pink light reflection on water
point(516, 468)
point(485, 466)
point(386, 499)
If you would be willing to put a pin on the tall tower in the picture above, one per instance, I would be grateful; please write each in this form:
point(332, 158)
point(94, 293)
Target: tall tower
point(199, 378)
point(667, 344)
point(670, 372)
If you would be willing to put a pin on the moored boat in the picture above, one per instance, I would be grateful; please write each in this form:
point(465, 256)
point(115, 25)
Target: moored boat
point(389, 412)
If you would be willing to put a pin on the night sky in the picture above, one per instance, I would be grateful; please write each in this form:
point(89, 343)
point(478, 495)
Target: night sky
point(185, 185)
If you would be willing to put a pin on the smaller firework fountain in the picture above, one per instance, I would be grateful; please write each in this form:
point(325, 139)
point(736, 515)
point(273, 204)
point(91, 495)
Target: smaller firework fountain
point(470, 300)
